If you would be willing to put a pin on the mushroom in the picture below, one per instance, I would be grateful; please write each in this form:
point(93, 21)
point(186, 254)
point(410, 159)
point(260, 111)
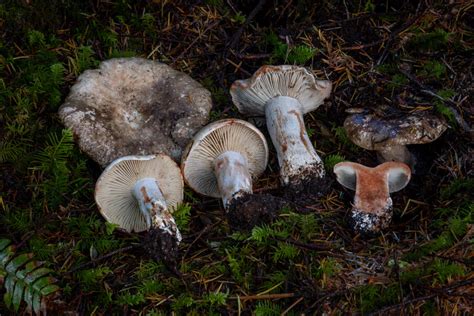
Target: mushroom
point(372, 207)
point(222, 159)
point(139, 193)
point(134, 106)
point(389, 137)
point(283, 94)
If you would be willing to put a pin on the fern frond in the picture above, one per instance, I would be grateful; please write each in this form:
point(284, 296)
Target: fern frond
point(331, 160)
point(24, 280)
point(11, 151)
point(52, 163)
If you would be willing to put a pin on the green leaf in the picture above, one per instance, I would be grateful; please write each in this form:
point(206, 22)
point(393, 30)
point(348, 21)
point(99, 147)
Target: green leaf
point(6, 254)
point(4, 243)
point(9, 283)
point(41, 283)
point(17, 262)
point(36, 303)
point(49, 289)
point(18, 295)
point(36, 274)
point(28, 297)
point(30, 266)
point(7, 299)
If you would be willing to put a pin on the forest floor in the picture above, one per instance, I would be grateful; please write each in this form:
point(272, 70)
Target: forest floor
point(392, 58)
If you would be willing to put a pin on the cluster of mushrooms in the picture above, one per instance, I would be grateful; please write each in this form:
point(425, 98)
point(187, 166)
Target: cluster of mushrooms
point(138, 118)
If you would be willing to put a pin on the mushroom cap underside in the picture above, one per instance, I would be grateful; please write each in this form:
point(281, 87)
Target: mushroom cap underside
point(251, 95)
point(215, 139)
point(114, 188)
point(395, 174)
point(134, 106)
point(373, 133)
point(372, 185)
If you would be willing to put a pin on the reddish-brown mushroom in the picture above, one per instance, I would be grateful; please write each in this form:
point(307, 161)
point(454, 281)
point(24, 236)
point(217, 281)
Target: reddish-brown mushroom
point(372, 208)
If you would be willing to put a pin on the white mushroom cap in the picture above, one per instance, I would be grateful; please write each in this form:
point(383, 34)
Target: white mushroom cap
point(114, 188)
point(215, 139)
point(268, 82)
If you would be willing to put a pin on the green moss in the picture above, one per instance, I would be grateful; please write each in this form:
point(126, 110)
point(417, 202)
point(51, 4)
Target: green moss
point(433, 69)
point(431, 41)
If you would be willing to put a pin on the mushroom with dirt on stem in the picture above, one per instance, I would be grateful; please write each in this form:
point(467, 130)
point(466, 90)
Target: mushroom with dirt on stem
point(372, 207)
point(223, 158)
point(139, 193)
point(283, 94)
point(390, 137)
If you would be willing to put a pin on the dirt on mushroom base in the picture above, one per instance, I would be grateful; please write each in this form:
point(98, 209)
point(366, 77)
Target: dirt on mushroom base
point(249, 210)
point(310, 189)
point(162, 246)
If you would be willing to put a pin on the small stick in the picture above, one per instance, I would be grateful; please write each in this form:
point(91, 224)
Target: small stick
point(263, 296)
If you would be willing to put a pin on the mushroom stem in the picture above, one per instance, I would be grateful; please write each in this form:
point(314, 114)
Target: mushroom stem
point(296, 155)
point(397, 153)
point(153, 206)
point(233, 176)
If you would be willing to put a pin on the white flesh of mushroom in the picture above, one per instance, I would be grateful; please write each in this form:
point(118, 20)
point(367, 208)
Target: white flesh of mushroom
point(284, 116)
point(233, 176)
point(153, 207)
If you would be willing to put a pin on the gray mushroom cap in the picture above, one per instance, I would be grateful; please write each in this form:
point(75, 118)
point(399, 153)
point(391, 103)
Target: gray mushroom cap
point(134, 106)
point(374, 133)
point(251, 95)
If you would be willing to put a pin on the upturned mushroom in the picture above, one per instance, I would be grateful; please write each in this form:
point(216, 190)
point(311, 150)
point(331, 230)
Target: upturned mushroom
point(372, 208)
point(139, 193)
point(283, 94)
point(390, 137)
point(134, 106)
point(222, 159)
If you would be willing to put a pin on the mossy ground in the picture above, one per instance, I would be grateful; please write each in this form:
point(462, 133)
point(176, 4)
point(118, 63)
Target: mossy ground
point(390, 57)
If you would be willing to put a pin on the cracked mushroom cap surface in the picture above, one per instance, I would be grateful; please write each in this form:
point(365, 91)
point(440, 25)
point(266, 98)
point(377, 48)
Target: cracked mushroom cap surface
point(134, 106)
point(373, 133)
point(251, 95)
point(114, 188)
point(215, 139)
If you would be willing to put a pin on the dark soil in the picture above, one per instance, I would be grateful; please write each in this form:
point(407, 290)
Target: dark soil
point(162, 246)
point(307, 191)
point(250, 210)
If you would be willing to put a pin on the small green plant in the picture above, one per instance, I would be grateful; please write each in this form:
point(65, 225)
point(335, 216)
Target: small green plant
point(445, 270)
point(83, 59)
point(238, 18)
point(434, 40)
point(433, 69)
point(331, 160)
point(182, 216)
point(266, 308)
point(24, 279)
point(441, 107)
point(285, 251)
point(52, 164)
point(397, 81)
point(299, 54)
point(36, 39)
point(91, 279)
point(369, 6)
point(215, 298)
